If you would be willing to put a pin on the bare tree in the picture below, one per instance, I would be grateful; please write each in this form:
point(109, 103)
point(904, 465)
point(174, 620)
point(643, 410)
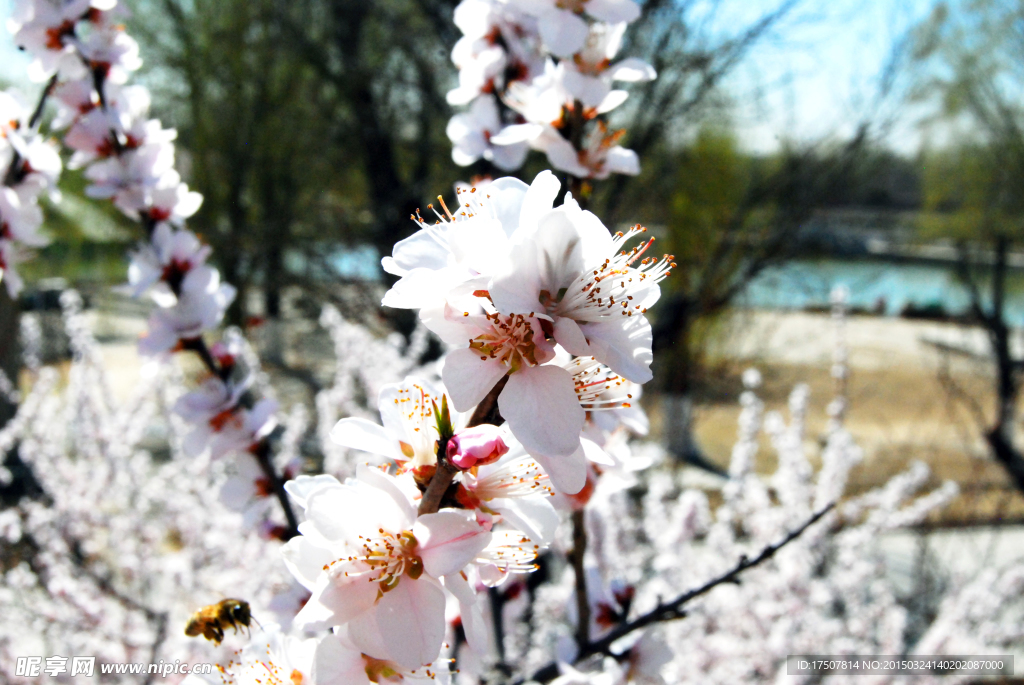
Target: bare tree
point(970, 60)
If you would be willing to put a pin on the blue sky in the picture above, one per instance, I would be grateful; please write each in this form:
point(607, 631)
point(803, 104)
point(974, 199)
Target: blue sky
point(817, 75)
point(814, 77)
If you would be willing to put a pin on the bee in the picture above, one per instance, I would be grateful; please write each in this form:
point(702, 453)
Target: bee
point(212, 620)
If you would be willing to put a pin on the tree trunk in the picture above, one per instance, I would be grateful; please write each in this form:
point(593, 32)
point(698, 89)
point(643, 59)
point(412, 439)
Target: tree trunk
point(10, 351)
point(673, 346)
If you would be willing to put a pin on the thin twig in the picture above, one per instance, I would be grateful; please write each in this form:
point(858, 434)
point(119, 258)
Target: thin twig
point(261, 452)
point(161, 636)
point(14, 169)
point(497, 602)
point(198, 345)
point(674, 609)
point(486, 412)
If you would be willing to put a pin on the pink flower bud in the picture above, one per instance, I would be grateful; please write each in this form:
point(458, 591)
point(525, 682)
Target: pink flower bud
point(476, 446)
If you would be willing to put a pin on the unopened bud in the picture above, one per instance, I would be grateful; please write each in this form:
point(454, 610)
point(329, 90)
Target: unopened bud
point(476, 446)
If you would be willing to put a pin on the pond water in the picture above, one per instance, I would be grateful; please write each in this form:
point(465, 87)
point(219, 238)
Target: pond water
point(874, 284)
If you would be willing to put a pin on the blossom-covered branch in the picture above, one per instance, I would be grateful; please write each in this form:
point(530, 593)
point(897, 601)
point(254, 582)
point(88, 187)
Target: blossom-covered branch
point(30, 165)
point(540, 74)
point(81, 46)
point(673, 609)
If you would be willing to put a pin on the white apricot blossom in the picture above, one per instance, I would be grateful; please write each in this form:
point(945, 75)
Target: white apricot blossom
point(568, 269)
point(373, 564)
point(409, 435)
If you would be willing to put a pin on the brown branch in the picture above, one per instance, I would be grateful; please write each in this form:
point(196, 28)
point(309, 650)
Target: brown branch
point(487, 410)
point(674, 609)
point(577, 186)
point(261, 450)
point(262, 454)
point(1007, 377)
point(198, 345)
point(954, 390)
point(15, 170)
point(579, 550)
point(161, 637)
point(446, 471)
point(104, 585)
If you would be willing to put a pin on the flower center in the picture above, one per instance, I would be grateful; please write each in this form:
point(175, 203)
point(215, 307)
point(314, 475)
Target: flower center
point(55, 35)
point(511, 340)
point(597, 386)
point(615, 286)
point(174, 273)
point(518, 478)
point(511, 552)
point(383, 559)
point(416, 405)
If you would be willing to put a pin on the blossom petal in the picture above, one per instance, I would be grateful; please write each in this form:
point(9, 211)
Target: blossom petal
point(562, 154)
point(534, 516)
point(389, 486)
point(619, 160)
point(505, 197)
point(508, 157)
point(596, 454)
point(337, 663)
point(334, 602)
point(613, 11)
point(410, 617)
point(563, 32)
point(542, 410)
point(547, 258)
point(624, 344)
point(539, 198)
point(471, 612)
point(448, 540)
point(330, 511)
point(360, 507)
point(417, 288)
point(421, 249)
point(589, 90)
point(567, 474)
point(568, 334)
point(632, 69)
point(469, 378)
point(612, 100)
point(365, 635)
point(306, 560)
point(517, 133)
point(479, 243)
point(366, 436)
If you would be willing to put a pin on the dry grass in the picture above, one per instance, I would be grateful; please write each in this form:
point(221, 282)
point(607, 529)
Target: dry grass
point(928, 408)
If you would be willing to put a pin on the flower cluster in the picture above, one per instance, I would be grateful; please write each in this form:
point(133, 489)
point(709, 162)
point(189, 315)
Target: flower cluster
point(381, 571)
point(540, 74)
point(82, 47)
point(30, 165)
point(128, 157)
point(546, 310)
point(123, 543)
point(125, 536)
point(427, 556)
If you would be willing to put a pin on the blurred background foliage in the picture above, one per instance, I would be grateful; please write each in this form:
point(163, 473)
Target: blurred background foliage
point(314, 128)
